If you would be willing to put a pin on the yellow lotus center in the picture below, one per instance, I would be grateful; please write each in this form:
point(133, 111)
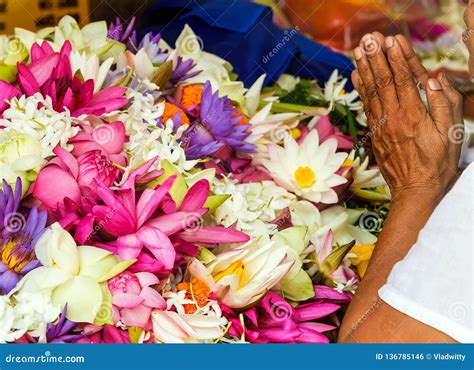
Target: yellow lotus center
point(305, 176)
point(347, 163)
point(295, 133)
point(342, 92)
point(236, 268)
point(9, 259)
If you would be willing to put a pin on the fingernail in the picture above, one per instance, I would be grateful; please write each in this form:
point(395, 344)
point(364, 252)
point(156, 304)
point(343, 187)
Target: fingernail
point(389, 42)
point(358, 53)
point(442, 78)
point(434, 84)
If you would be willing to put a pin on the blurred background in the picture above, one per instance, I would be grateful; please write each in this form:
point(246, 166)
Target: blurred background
point(434, 26)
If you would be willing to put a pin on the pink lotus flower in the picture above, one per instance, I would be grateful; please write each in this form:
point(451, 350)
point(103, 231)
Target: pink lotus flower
point(133, 298)
point(50, 74)
point(67, 177)
point(274, 320)
point(327, 130)
point(109, 138)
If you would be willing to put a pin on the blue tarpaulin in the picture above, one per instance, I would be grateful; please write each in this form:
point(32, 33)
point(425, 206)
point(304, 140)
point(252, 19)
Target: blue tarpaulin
point(243, 33)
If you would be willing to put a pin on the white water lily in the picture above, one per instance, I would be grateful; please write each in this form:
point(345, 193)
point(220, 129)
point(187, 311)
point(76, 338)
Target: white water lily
point(296, 285)
point(337, 218)
point(334, 92)
point(213, 68)
point(20, 156)
point(91, 38)
point(173, 327)
point(307, 169)
point(241, 275)
point(72, 275)
point(341, 221)
point(251, 205)
point(368, 182)
point(90, 67)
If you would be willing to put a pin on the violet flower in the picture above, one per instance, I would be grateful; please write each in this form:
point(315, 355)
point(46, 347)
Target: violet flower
point(17, 237)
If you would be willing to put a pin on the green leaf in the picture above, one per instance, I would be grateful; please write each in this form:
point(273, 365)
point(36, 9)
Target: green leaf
point(297, 286)
point(179, 188)
point(214, 201)
point(292, 237)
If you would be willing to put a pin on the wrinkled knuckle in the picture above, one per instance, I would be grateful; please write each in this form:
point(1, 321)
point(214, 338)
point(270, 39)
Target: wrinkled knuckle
point(383, 80)
point(403, 78)
point(441, 104)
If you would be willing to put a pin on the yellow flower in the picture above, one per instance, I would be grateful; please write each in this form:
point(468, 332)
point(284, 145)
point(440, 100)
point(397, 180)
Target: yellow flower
point(363, 253)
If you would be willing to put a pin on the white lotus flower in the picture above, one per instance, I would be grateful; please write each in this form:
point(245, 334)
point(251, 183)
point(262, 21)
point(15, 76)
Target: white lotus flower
point(172, 327)
point(72, 275)
point(334, 92)
point(241, 275)
point(20, 156)
point(308, 169)
point(90, 67)
point(90, 38)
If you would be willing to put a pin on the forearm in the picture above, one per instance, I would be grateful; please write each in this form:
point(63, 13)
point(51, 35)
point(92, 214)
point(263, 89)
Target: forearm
point(408, 214)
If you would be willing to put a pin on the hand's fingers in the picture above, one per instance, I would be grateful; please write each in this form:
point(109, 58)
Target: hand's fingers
point(359, 86)
point(469, 16)
point(468, 39)
point(420, 73)
point(381, 71)
point(405, 84)
point(439, 104)
point(367, 78)
point(454, 97)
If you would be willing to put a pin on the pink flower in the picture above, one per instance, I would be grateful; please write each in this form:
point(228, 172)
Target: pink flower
point(109, 138)
point(327, 130)
point(149, 219)
point(104, 334)
point(67, 177)
point(133, 298)
point(274, 320)
point(50, 74)
point(7, 92)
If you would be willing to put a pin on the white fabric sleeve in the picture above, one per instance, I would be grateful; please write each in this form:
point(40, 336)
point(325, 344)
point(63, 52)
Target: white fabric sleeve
point(434, 282)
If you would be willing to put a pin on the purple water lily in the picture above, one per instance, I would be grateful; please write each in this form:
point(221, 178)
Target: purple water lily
point(17, 237)
point(216, 127)
point(118, 32)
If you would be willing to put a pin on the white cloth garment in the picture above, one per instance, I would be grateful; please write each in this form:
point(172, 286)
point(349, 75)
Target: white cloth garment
point(434, 282)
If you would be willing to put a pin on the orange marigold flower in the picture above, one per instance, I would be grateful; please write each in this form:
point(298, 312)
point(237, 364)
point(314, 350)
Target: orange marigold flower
point(197, 291)
point(191, 95)
point(170, 112)
point(243, 118)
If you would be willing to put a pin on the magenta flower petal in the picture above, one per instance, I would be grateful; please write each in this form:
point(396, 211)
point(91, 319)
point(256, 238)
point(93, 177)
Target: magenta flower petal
point(53, 184)
point(213, 235)
point(312, 311)
point(196, 196)
point(7, 92)
point(129, 246)
point(174, 222)
point(325, 292)
point(159, 245)
point(151, 199)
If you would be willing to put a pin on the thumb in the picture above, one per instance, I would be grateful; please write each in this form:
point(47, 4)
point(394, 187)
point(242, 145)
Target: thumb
point(439, 104)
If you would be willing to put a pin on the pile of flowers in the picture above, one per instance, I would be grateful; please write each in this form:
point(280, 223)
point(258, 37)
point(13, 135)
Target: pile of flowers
point(148, 197)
